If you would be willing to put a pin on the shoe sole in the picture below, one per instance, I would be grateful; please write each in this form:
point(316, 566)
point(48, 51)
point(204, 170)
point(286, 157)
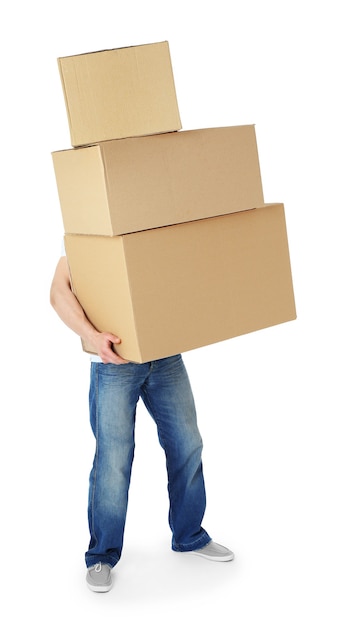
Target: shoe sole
point(228, 557)
point(99, 588)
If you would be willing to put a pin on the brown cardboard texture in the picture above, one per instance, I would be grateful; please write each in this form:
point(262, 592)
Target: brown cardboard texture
point(124, 92)
point(128, 185)
point(173, 289)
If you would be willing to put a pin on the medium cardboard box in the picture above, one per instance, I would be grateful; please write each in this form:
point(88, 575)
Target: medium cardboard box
point(128, 185)
point(124, 92)
point(173, 289)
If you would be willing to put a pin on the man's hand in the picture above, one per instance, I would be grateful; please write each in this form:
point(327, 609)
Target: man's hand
point(104, 344)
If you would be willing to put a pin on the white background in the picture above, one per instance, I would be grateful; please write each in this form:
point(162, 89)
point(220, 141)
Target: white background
point(272, 405)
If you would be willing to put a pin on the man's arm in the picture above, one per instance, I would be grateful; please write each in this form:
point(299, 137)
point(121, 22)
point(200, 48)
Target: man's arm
point(71, 313)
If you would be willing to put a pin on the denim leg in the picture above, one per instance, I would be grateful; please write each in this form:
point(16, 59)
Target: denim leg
point(168, 397)
point(114, 392)
point(166, 392)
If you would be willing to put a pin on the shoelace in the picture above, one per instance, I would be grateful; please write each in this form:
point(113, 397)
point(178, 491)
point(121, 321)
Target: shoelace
point(97, 567)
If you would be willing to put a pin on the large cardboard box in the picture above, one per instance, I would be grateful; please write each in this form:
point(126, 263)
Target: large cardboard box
point(123, 92)
point(173, 289)
point(128, 185)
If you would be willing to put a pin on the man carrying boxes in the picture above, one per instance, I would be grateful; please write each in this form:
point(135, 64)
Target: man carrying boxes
point(169, 247)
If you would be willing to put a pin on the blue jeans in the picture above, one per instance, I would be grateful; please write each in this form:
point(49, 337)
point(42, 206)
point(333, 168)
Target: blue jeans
point(165, 390)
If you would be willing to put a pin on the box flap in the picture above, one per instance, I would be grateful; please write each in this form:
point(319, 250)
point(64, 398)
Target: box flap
point(101, 295)
point(80, 178)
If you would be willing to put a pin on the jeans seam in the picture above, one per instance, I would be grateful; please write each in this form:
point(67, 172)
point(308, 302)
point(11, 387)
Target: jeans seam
point(155, 416)
point(96, 390)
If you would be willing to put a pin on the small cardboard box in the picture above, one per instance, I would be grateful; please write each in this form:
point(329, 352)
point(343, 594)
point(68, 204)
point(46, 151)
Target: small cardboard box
point(128, 185)
point(124, 92)
point(173, 289)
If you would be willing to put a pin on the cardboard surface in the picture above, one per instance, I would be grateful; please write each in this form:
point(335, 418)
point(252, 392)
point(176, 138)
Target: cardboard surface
point(124, 92)
point(129, 185)
point(173, 289)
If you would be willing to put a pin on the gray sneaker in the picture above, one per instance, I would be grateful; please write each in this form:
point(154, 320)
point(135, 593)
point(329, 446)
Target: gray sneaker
point(99, 577)
point(214, 552)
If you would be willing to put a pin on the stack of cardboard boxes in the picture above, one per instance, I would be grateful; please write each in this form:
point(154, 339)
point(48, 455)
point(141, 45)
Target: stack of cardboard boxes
point(169, 242)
